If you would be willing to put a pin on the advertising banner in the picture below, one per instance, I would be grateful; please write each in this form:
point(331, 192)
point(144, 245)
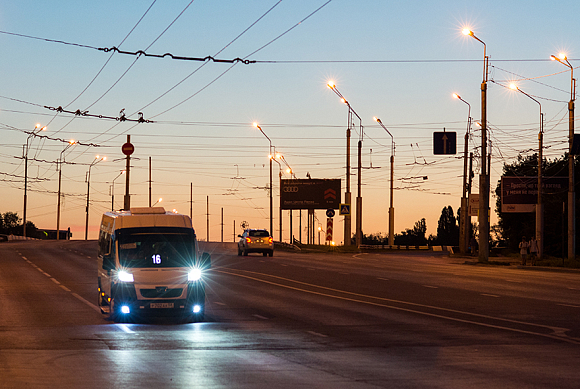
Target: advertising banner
point(310, 194)
point(520, 194)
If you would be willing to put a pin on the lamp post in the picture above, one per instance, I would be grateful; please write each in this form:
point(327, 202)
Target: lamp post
point(463, 221)
point(277, 156)
point(391, 208)
point(483, 177)
point(563, 59)
point(270, 156)
point(539, 210)
point(88, 179)
point(113, 190)
point(358, 224)
point(59, 167)
point(36, 130)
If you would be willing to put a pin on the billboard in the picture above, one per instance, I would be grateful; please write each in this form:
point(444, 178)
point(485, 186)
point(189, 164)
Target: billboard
point(520, 194)
point(310, 193)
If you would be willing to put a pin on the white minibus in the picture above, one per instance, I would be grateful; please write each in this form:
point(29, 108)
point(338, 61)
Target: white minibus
point(148, 263)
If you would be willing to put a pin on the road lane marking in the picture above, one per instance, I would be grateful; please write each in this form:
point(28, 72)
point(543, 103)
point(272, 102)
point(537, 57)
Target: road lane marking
point(559, 333)
point(283, 264)
point(317, 334)
point(518, 282)
point(87, 302)
point(260, 317)
point(569, 305)
point(384, 279)
point(489, 295)
point(64, 287)
point(218, 303)
point(125, 328)
point(430, 286)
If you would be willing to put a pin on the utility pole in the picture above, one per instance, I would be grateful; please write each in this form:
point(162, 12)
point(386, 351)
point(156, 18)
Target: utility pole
point(207, 216)
point(149, 182)
point(191, 201)
point(127, 198)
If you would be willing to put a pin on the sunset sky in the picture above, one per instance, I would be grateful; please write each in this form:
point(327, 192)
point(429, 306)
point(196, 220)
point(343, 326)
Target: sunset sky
point(399, 61)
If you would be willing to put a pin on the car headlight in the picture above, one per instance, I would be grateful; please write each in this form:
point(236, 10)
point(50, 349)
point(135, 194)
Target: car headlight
point(125, 276)
point(194, 275)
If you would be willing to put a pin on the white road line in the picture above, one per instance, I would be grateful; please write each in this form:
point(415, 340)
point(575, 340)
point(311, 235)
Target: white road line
point(283, 264)
point(430, 286)
point(489, 295)
point(125, 328)
point(218, 303)
point(519, 282)
point(384, 279)
point(55, 281)
point(317, 334)
point(569, 305)
point(64, 287)
point(573, 288)
point(24, 258)
point(45, 273)
point(260, 317)
point(87, 302)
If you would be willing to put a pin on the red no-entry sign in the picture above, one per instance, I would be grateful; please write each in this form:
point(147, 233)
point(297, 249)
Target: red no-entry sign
point(128, 148)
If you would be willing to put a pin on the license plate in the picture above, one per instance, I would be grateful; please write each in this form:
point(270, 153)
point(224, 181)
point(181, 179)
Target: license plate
point(161, 305)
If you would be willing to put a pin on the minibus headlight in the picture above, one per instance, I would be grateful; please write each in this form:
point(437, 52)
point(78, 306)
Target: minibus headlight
point(194, 275)
point(125, 276)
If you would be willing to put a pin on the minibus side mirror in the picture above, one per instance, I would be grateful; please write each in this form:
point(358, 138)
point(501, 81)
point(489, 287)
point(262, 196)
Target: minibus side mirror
point(239, 236)
point(205, 262)
point(108, 262)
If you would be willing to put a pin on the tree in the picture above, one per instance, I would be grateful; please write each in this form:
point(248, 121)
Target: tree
point(414, 237)
point(11, 222)
point(447, 229)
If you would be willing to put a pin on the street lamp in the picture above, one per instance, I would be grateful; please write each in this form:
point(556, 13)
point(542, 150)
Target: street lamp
point(113, 190)
point(275, 159)
point(270, 156)
point(59, 167)
point(483, 177)
point(463, 221)
point(563, 59)
point(351, 111)
point(539, 210)
point(158, 201)
point(391, 208)
point(88, 179)
point(36, 130)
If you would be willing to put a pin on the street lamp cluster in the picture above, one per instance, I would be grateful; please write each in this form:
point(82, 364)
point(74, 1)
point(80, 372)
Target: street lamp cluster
point(484, 178)
point(273, 156)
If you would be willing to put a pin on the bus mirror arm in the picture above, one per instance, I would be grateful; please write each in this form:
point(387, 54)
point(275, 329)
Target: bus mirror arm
point(205, 262)
point(108, 262)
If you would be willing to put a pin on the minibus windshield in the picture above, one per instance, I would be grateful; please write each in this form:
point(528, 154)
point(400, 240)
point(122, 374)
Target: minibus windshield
point(156, 247)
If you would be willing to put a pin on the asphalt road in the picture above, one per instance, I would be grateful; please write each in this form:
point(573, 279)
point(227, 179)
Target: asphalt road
point(295, 320)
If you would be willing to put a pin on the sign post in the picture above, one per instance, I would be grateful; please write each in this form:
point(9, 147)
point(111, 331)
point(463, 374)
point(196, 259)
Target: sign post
point(127, 149)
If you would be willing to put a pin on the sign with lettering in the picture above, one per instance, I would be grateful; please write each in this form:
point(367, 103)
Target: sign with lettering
point(310, 193)
point(520, 194)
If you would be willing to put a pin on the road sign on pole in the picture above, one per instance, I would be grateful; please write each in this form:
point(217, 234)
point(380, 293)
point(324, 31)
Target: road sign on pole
point(444, 142)
point(329, 224)
point(344, 209)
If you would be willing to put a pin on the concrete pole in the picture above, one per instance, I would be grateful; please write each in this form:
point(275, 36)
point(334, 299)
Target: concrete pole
point(127, 198)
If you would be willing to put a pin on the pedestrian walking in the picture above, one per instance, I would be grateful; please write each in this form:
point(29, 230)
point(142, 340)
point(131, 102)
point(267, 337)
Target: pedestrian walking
point(533, 250)
point(524, 245)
